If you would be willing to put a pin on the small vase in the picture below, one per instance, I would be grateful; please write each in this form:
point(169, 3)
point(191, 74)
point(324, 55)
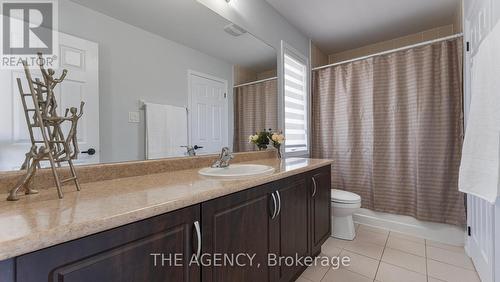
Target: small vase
point(278, 153)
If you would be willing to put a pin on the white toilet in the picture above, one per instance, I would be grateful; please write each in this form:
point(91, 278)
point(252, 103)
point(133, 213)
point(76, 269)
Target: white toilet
point(344, 204)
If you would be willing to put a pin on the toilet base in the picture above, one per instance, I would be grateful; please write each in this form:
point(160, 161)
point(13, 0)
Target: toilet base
point(343, 227)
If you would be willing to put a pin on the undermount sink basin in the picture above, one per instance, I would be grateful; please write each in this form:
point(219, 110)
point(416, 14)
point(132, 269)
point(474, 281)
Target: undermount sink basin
point(237, 170)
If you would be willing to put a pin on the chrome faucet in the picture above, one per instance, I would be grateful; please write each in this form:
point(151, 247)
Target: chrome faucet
point(191, 150)
point(224, 158)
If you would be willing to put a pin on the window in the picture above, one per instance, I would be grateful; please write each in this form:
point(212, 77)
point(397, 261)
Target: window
point(296, 104)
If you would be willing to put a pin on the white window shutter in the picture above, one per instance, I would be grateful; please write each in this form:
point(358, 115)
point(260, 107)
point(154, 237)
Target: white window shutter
point(296, 127)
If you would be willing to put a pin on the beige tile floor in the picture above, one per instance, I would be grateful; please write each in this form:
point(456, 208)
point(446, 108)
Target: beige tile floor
point(383, 256)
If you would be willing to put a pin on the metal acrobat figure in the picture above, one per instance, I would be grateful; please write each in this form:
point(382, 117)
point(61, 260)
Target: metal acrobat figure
point(72, 137)
point(31, 164)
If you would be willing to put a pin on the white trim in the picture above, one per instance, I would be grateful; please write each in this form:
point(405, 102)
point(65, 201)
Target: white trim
point(191, 73)
point(496, 243)
point(391, 51)
point(439, 232)
point(255, 82)
point(287, 48)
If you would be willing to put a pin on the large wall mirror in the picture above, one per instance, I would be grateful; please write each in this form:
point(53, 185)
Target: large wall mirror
point(154, 78)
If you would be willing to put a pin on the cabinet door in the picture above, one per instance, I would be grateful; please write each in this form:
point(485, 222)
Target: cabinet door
point(234, 225)
point(320, 189)
point(292, 225)
point(121, 254)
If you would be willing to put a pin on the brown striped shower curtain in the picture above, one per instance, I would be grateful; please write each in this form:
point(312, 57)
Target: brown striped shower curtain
point(393, 124)
point(255, 109)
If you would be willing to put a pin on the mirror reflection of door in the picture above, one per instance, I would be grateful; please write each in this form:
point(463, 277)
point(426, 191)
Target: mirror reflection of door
point(80, 58)
point(208, 113)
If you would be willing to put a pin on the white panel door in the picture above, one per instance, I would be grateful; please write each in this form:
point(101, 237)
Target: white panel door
point(483, 218)
point(480, 243)
point(208, 118)
point(80, 58)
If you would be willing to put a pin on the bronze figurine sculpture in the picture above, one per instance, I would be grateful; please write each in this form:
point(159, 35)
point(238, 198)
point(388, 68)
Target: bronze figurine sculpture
point(55, 147)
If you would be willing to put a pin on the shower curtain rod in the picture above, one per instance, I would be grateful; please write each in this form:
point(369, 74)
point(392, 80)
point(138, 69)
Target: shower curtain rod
point(255, 82)
point(391, 51)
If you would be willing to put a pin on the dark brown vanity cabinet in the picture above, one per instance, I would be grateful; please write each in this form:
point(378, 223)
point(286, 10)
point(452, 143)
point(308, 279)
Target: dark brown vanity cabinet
point(238, 224)
point(290, 227)
point(120, 254)
point(320, 207)
point(234, 237)
point(276, 222)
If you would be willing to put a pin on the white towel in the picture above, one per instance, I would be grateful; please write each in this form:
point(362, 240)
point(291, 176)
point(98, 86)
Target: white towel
point(166, 131)
point(480, 167)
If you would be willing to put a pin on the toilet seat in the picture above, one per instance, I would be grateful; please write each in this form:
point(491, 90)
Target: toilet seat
point(346, 205)
point(344, 197)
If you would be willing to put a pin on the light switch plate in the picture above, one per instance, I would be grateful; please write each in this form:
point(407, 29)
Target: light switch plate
point(134, 117)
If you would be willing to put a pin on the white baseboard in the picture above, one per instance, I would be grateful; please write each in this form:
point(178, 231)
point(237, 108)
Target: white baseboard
point(445, 233)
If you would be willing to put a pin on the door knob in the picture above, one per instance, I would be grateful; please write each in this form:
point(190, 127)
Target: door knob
point(196, 147)
point(90, 151)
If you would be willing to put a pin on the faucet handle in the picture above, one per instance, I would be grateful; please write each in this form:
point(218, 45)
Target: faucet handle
point(226, 153)
point(215, 164)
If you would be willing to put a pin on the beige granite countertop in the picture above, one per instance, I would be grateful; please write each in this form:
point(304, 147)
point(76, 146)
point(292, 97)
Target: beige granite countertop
point(43, 220)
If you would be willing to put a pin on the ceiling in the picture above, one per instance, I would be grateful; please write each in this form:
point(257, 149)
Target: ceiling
point(339, 25)
point(192, 24)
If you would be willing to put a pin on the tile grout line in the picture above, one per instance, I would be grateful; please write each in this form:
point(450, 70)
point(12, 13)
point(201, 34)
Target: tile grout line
point(358, 274)
point(411, 270)
point(425, 257)
point(454, 265)
point(342, 249)
point(444, 249)
point(426, 266)
point(346, 269)
point(405, 268)
point(443, 262)
point(385, 246)
point(330, 268)
point(364, 255)
point(383, 250)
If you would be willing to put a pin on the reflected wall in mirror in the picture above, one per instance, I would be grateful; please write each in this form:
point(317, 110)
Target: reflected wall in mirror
point(125, 59)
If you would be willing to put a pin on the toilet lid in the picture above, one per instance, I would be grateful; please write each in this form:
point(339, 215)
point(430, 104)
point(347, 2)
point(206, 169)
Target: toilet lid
point(341, 196)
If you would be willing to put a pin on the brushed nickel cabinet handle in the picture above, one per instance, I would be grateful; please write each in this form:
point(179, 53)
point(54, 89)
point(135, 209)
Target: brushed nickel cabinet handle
point(279, 202)
point(314, 186)
point(198, 237)
point(275, 209)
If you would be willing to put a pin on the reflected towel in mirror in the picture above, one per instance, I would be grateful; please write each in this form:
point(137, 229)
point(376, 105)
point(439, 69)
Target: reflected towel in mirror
point(166, 131)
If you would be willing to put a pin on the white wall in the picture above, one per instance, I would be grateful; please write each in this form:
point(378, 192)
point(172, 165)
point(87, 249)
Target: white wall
point(265, 23)
point(262, 20)
point(134, 64)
